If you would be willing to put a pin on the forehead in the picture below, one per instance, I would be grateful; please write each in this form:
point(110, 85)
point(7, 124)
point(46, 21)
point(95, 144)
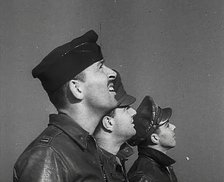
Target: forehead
point(117, 109)
point(94, 66)
point(120, 109)
point(163, 124)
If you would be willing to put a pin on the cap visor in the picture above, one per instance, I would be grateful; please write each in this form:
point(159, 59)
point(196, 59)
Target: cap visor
point(126, 101)
point(166, 114)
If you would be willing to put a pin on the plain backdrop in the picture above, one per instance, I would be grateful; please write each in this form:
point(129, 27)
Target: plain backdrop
point(172, 50)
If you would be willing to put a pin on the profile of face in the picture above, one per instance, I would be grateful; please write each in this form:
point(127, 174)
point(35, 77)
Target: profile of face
point(98, 87)
point(123, 122)
point(166, 135)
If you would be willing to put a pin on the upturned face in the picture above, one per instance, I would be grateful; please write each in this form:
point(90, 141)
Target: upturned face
point(98, 87)
point(123, 122)
point(167, 135)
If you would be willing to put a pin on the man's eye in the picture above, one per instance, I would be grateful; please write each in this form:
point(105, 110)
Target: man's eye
point(124, 108)
point(101, 66)
point(127, 108)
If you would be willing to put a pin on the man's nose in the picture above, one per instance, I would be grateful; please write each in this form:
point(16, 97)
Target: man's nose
point(132, 111)
point(110, 73)
point(173, 126)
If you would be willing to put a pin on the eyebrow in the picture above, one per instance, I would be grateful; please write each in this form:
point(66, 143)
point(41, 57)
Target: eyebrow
point(124, 107)
point(164, 124)
point(100, 62)
point(167, 123)
point(128, 107)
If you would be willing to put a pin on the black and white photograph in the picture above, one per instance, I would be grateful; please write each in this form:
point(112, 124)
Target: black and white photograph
point(112, 91)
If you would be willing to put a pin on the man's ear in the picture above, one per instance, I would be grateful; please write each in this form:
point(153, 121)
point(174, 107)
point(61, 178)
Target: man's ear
point(107, 123)
point(155, 138)
point(75, 87)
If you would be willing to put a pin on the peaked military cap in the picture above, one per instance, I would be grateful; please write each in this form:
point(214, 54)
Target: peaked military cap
point(148, 118)
point(68, 60)
point(121, 96)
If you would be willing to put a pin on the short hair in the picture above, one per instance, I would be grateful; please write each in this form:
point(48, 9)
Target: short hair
point(100, 126)
point(111, 113)
point(148, 140)
point(81, 76)
point(59, 98)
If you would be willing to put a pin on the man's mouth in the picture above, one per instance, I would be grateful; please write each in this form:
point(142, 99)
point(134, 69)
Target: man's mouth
point(133, 122)
point(111, 87)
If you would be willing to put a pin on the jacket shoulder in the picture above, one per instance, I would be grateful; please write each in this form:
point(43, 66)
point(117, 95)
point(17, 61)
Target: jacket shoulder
point(40, 163)
point(142, 170)
point(40, 160)
point(140, 177)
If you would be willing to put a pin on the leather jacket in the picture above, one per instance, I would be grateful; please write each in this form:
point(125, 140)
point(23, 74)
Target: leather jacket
point(114, 165)
point(152, 166)
point(63, 152)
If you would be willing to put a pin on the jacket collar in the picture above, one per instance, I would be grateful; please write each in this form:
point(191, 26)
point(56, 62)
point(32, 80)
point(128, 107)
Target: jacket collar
point(125, 151)
point(108, 155)
point(70, 127)
point(156, 155)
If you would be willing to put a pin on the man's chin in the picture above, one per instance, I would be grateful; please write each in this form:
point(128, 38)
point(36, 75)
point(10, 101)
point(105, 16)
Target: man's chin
point(172, 146)
point(109, 107)
point(113, 103)
point(112, 94)
point(132, 134)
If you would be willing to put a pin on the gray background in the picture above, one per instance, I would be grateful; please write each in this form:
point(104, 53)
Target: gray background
point(172, 50)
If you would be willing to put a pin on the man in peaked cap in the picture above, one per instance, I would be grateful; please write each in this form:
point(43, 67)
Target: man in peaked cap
point(154, 137)
point(80, 87)
point(113, 130)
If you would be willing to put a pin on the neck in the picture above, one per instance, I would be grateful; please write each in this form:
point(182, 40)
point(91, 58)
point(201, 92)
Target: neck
point(159, 148)
point(83, 117)
point(108, 143)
